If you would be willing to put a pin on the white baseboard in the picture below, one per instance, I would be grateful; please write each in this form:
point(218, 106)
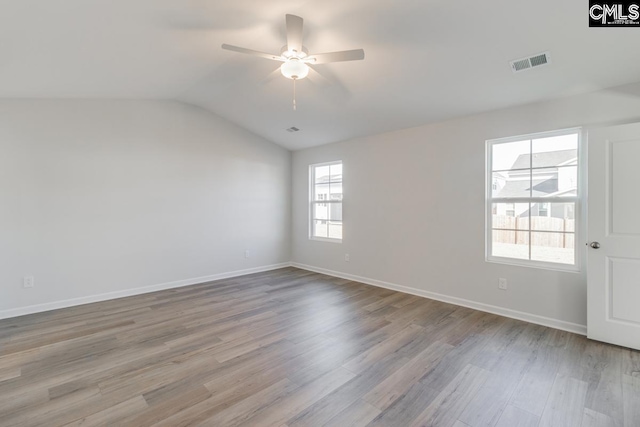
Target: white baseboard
point(38, 308)
point(506, 312)
point(514, 314)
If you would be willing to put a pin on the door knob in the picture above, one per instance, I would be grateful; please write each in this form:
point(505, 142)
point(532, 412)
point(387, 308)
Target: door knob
point(595, 245)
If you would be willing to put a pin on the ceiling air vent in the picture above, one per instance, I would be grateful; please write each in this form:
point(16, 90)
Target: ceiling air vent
point(530, 62)
point(293, 129)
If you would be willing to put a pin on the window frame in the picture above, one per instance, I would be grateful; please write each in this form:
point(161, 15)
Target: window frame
point(312, 202)
point(578, 200)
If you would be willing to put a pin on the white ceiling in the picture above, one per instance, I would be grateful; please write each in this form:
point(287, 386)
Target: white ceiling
point(426, 60)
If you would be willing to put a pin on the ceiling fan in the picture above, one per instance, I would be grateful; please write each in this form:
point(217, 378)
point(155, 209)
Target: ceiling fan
point(295, 57)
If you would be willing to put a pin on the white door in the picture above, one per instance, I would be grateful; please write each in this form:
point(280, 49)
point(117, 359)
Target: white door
point(613, 266)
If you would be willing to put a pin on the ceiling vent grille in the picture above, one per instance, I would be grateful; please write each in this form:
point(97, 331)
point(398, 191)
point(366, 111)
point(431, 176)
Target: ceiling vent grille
point(293, 129)
point(530, 62)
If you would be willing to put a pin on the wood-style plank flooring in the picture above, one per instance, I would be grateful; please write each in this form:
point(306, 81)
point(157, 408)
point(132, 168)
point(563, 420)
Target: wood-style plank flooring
point(294, 348)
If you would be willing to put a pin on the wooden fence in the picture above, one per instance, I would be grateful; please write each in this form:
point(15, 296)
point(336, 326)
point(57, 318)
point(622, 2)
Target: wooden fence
point(516, 231)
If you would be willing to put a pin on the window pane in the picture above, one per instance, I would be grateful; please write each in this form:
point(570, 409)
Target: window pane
point(335, 230)
point(321, 192)
point(322, 174)
point(512, 216)
point(320, 211)
point(511, 184)
point(553, 247)
point(511, 155)
point(320, 228)
point(568, 181)
point(555, 151)
point(336, 191)
point(327, 211)
point(544, 182)
point(336, 172)
point(335, 211)
point(510, 244)
point(553, 217)
point(556, 182)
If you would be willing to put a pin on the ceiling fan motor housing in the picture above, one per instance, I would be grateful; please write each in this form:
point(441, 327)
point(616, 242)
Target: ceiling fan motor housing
point(294, 68)
point(286, 53)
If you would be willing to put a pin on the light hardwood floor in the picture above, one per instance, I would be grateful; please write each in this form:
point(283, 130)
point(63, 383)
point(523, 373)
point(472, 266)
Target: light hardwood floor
point(294, 348)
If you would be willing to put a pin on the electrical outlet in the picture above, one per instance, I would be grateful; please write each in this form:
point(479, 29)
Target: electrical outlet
point(346, 257)
point(502, 283)
point(247, 254)
point(28, 282)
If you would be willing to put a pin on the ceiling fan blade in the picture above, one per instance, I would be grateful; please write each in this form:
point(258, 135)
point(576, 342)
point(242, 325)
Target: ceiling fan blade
point(329, 82)
point(345, 55)
point(274, 75)
point(318, 78)
point(252, 52)
point(294, 33)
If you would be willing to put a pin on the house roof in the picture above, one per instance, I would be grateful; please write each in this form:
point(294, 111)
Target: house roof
point(520, 188)
point(548, 158)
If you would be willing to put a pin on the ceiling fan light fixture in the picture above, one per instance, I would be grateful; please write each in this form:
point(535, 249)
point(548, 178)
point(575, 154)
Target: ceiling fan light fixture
point(294, 69)
point(295, 56)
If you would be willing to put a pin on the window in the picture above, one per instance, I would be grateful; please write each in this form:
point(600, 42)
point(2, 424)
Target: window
point(533, 199)
point(326, 201)
point(510, 209)
point(543, 209)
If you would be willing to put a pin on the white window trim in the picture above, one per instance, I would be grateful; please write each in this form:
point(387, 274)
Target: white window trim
point(312, 180)
point(579, 201)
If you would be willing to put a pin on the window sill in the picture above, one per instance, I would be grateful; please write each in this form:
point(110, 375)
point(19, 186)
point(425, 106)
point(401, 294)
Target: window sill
point(326, 239)
point(541, 265)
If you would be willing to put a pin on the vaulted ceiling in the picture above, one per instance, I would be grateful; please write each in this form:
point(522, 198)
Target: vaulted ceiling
point(426, 60)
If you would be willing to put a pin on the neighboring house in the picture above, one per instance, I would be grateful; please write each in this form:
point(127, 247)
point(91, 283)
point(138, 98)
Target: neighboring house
point(554, 174)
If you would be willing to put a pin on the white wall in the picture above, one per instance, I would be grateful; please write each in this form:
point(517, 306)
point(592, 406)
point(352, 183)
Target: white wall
point(414, 207)
point(107, 196)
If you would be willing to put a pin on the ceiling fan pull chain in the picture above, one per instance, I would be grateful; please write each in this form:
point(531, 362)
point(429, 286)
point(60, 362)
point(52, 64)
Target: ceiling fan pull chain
point(294, 94)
